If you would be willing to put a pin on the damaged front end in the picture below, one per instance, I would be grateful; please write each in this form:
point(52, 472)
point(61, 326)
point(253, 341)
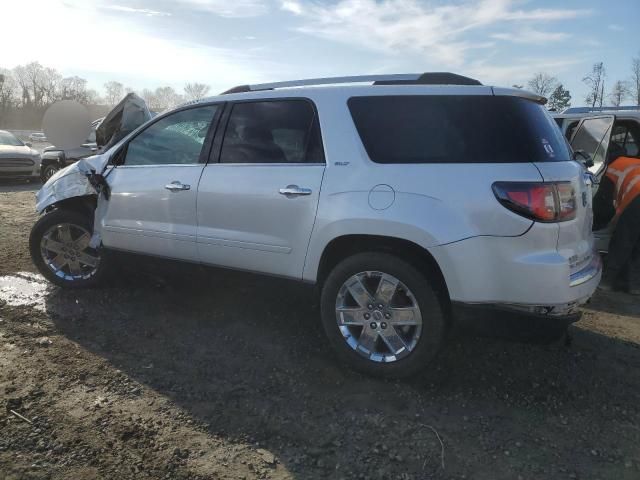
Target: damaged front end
point(87, 177)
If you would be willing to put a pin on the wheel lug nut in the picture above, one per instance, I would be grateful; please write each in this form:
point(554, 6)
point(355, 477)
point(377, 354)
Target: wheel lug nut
point(387, 315)
point(370, 307)
point(383, 325)
point(373, 325)
point(380, 306)
point(367, 316)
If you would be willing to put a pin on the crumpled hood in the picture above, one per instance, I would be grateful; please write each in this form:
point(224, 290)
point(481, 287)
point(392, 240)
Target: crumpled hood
point(123, 119)
point(14, 151)
point(70, 182)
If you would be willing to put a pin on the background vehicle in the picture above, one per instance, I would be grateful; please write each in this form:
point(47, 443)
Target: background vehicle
point(602, 134)
point(54, 158)
point(406, 201)
point(38, 137)
point(17, 159)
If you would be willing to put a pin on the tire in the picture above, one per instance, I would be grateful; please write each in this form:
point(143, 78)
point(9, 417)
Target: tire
point(48, 172)
point(62, 258)
point(343, 326)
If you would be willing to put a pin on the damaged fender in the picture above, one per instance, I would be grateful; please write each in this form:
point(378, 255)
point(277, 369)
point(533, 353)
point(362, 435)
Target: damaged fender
point(78, 180)
point(85, 177)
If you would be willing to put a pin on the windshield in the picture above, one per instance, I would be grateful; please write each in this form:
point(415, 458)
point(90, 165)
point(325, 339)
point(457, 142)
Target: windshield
point(7, 138)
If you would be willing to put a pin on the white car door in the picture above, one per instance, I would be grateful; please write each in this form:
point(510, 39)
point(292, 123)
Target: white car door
point(152, 207)
point(257, 198)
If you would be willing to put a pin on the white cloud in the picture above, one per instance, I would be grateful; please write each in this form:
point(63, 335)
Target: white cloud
point(518, 72)
point(615, 27)
point(531, 36)
point(128, 50)
point(408, 26)
point(292, 6)
point(144, 11)
point(229, 8)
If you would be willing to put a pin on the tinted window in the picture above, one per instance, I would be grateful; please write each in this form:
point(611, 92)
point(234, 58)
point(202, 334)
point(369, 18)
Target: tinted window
point(589, 138)
point(456, 129)
point(283, 131)
point(175, 139)
point(625, 135)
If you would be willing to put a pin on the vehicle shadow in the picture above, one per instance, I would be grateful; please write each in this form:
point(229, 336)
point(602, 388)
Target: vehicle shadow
point(20, 185)
point(617, 303)
point(246, 356)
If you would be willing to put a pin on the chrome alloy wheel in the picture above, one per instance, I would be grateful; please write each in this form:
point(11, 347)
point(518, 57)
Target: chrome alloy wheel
point(65, 250)
point(378, 316)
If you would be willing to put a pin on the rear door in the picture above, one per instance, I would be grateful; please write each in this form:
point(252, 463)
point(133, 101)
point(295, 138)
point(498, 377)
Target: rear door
point(152, 208)
point(257, 204)
point(575, 239)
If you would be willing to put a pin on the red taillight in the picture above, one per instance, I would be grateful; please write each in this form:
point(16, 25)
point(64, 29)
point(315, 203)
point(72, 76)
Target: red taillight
point(543, 202)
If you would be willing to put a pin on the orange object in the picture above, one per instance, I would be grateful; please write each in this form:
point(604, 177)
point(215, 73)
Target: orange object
point(624, 172)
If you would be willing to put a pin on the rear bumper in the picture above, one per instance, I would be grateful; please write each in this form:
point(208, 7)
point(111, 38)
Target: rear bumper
point(517, 274)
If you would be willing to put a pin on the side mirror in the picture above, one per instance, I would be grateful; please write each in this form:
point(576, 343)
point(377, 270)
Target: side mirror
point(583, 157)
point(28, 144)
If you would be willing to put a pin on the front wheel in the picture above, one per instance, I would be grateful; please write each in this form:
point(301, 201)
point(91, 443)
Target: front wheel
point(48, 172)
point(59, 247)
point(382, 316)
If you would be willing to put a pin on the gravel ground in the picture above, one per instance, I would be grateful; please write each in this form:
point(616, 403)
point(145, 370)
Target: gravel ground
point(220, 375)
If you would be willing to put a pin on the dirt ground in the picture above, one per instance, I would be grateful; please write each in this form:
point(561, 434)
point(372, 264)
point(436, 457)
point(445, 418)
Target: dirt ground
point(219, 375)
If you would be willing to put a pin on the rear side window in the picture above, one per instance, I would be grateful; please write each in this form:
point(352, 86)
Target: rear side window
point(278, 131)
point(456, 129)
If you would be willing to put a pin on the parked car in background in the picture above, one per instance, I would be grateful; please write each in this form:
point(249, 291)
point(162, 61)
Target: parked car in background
point(410, 201)
point(17, 159)
point(38, 137)
point(54, 158)
point(601, 135)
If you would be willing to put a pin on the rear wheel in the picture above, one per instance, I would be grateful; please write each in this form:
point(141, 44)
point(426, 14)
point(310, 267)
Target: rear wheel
point(59, 246)
point(382, 316)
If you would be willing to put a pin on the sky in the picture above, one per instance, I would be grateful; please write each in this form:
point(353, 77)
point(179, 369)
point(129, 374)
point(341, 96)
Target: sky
point(223, 43)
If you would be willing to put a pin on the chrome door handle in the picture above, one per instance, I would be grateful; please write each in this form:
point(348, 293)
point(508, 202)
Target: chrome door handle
point(176, 186)
point(294, 191)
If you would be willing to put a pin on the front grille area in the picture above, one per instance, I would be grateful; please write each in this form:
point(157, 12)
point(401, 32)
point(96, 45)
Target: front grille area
point(16, 162)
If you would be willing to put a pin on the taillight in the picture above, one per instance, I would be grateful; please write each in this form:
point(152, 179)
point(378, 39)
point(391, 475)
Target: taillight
point(543, 202)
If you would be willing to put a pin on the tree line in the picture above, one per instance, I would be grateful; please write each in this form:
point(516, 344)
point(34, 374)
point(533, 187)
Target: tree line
point(26, 91)
point(597, 95)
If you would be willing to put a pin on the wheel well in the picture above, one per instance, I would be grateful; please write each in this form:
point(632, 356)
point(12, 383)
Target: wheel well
point(85, 205)
point(342, 247)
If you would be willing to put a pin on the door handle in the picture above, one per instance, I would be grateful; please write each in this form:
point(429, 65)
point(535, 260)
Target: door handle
point(294, 191)
point(176, 186)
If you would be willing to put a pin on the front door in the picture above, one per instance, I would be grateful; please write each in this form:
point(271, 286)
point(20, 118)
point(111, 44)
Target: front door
point(152, 208)
point(257, 200)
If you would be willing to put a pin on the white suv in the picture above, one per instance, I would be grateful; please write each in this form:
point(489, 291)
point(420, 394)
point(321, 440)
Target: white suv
point(406, 198)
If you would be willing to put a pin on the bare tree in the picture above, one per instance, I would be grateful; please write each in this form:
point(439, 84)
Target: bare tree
point(196, 91)
point(114, 92)
point(161, 98)
point(635, 79)
point(543, 84)
point(595, 82)
point(619, 92)
point(74, 88)
point(8, 90)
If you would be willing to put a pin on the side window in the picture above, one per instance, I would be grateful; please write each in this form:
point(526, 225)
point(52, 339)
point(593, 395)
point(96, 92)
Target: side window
point(570, 129)
point(590, 138)
point(279, 131)
point(176, 139)
point(625, 137)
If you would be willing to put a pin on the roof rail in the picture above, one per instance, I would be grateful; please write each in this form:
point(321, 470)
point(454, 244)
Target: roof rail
point(600, 109)
point(434, 78)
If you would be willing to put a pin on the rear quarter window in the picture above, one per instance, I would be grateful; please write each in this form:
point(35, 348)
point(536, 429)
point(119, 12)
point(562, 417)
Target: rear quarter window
point(456, 129)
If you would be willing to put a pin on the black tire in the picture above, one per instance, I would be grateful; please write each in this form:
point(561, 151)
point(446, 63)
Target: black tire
point(48, 172)
point(431, 310)
point(71, 217)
